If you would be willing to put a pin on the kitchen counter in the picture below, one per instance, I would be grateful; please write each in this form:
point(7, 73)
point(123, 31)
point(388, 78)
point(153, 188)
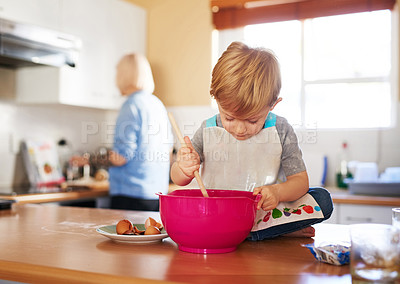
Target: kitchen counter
point(41, 243)
point(100, 189)
point(96, 189)
point(344, 196)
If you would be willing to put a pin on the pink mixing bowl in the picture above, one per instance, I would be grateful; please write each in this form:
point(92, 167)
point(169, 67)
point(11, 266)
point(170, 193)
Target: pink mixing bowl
point(214, 224)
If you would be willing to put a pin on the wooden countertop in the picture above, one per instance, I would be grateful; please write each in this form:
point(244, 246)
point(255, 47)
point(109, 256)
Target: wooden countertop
point(52, 244)
point(100, 189)
point(97, 189)
point(343, 196)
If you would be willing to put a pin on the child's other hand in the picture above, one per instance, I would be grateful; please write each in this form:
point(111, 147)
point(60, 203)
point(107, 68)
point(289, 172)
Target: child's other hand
point(188, 159)
point(269, 197)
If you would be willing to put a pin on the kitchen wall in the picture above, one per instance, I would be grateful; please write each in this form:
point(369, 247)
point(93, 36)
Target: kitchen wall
point(85, 128)
point(179, 50)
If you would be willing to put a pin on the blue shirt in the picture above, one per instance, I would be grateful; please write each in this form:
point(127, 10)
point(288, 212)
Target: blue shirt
point(143, 137)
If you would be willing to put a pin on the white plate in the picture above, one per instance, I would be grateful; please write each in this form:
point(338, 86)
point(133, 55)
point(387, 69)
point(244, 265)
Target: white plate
point(110, 232)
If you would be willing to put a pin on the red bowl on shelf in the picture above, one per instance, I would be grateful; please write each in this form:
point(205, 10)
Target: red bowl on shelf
point(214, 224)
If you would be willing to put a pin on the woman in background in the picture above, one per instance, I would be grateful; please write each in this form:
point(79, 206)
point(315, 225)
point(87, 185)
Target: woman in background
point(143, 140)
point(139, 161)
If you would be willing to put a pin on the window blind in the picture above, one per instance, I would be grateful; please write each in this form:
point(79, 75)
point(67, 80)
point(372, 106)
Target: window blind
point(229, 14)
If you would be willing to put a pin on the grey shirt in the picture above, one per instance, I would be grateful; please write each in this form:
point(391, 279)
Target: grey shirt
point(291, 158)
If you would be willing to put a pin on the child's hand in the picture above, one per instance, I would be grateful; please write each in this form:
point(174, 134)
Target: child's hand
point(188, 159)
point(269, 197)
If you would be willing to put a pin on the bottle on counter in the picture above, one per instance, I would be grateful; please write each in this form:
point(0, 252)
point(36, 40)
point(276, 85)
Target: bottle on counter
point(64, 150)
point(342, 170)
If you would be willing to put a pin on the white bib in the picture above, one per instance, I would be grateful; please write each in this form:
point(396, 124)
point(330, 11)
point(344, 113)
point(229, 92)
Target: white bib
point(234, 164)
point(245, 164)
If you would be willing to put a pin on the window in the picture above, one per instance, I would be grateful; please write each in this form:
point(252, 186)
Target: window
point(336, 70)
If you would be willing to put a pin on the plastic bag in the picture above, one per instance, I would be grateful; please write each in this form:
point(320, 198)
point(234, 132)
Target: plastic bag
point(337, 254)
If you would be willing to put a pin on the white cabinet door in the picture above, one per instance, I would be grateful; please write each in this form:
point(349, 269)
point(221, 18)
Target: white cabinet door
point(127, 34)
point(87, 19)
point(108, 29)
point(355, 213)
point(334, 217)
point(43, 13)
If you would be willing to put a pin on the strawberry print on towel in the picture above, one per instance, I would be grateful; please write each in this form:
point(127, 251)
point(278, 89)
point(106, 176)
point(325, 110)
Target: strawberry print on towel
point(286, 212)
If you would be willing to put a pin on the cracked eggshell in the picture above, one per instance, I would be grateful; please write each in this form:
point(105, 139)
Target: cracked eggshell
point(124, 227)
point(152, 230)
point(151, 222)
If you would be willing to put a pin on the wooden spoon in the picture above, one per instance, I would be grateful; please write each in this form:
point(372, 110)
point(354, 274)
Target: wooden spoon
point(183, 144)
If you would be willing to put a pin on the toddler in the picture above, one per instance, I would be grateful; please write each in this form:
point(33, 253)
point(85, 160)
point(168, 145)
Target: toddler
point(247, 147)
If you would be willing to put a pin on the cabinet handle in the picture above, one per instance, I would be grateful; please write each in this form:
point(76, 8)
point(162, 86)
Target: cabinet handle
point(359, 219)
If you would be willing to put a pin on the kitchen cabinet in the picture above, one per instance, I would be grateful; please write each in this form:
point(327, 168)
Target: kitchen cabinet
point(43, 13)
point(108, 30)
point(91, 85)
point(127, 33)
point(354, 208)
point(334, 217)
point(359, 213)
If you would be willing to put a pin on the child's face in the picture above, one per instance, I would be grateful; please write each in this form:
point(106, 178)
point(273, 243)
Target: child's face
point(243, 129)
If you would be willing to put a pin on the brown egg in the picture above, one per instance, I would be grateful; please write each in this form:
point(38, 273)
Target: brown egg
point(124, 227)
point(152, 230)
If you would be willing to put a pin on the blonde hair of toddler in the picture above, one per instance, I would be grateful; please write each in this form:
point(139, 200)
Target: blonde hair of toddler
point(246, 80)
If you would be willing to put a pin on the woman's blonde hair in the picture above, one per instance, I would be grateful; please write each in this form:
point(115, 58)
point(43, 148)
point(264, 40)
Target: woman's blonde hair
point(134, 73)
point(246, 80)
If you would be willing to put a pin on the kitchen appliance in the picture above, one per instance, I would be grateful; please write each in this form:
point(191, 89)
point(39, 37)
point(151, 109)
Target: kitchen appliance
point(28, 45)
point(214, 224)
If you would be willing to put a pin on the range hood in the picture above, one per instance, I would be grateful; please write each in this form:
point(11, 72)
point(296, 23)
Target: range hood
point(27, 45)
